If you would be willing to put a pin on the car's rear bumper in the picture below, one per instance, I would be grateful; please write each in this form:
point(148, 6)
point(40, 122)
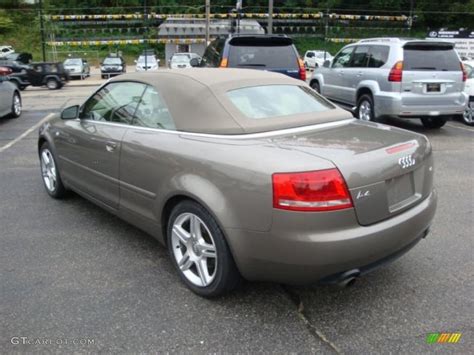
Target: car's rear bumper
point(324, 245)
point(408, 106)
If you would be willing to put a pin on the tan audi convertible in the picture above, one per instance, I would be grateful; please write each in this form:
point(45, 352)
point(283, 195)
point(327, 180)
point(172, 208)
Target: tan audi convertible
point(244, 174)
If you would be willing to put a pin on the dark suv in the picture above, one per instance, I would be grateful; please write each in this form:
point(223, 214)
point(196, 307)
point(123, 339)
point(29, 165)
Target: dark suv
point(264, 52)
point(112, 65)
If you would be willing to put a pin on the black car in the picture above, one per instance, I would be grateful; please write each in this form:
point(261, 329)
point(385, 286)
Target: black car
point(266, 52)
point(112, 65)
point(15, 66)
point(51, 75)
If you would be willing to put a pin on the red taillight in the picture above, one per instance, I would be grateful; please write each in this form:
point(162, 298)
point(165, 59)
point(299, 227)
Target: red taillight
point(464, 72)
point(396, 72)
point(322, 190)
point(302, 70)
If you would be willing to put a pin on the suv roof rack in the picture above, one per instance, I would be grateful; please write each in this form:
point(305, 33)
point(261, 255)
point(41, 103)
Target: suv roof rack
point(380, 39)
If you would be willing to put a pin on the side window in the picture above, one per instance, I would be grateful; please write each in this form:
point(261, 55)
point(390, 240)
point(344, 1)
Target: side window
point(152, 111)
point(378, 56)
point(342, 58)
point(310, 54)
point(360, 57)
point(116, 102)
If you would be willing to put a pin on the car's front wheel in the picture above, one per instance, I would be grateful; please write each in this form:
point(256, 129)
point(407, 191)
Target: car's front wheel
point(200, 252)
point(316, 87)
point(16, 106)
point(50, 173)
point(433, 122)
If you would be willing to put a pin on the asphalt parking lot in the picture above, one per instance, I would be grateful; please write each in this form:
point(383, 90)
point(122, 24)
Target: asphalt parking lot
point(76, 278)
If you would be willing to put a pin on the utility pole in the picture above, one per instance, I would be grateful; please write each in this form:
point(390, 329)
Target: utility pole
point(410, 18)
point(270, 17)
point(43, 48)
point(145, 31)
point(238, 7)
point(208, 18)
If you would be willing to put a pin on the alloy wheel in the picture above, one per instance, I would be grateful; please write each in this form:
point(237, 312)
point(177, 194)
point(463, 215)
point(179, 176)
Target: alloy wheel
point(468, 116)
point(365, 111)
point(194, 249)
point(48, 170)
point(16, 105)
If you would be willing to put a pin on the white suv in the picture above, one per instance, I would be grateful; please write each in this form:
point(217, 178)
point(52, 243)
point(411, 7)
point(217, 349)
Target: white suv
point(396, 77)
point(316, 58)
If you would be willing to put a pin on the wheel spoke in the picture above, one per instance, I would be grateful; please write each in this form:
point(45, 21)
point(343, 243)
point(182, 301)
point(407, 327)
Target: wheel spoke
point(207, 250)
point(45, 157)
point(201, 267)
point(185, 263)
point(182, 235)
point(195, 227)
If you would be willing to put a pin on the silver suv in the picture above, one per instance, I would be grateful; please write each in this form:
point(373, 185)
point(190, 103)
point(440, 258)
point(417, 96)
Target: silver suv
point(396, 77)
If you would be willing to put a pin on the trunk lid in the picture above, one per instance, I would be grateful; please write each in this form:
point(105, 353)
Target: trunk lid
point(388, 170)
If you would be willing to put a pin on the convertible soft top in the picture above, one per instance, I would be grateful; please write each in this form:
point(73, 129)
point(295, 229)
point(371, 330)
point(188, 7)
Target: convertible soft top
point(197, 101)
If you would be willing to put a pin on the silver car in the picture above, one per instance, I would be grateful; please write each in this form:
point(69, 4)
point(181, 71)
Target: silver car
point(396, 77)
point(77, 68)
point(244, 173)
point(10, 99)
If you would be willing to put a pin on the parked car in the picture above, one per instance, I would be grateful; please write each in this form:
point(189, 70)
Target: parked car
point(22, 58)
point(51, 75)
point(314, 58)
point(244, 173)
point(395, 77)
point(10, 99)
point(77, 68)
point(468, 116)
point(112, 65)
point(15, 66)
point(265, 52)
point(182, 60)
point(147, 62)
point(6, 50)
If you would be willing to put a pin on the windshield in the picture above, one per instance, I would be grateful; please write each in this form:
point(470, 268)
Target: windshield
point(321, 55)
point(113, 61)
point(180, 59)
point(260, 102)
point(149, 60)
point(73, 62)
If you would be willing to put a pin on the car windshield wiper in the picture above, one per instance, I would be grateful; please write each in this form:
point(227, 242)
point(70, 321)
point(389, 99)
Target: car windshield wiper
point(252, 65)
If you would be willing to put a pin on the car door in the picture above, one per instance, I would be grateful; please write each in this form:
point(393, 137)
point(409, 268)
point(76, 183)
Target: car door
point(146, 158)
point(89, 147)
point(334, 75)
point(355, 72)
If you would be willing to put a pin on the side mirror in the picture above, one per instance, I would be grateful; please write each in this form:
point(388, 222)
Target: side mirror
point(70, 113)
point(327, 63)
point(194, 62)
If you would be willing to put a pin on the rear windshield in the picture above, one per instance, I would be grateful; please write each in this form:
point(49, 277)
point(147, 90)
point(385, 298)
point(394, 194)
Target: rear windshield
point(430, 58)
point(261, 102)
point(262, 54)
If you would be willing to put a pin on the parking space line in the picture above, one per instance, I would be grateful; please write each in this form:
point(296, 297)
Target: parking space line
point(463, 128)
point(26, 133)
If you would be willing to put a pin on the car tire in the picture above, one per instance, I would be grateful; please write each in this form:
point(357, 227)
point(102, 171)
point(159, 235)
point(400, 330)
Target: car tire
point(50, 173)
point(207, 276)
point(52, 84)
point(365, 108)
point(433, 122)
point(468, 116)
point(316, 87)
point(16, 106)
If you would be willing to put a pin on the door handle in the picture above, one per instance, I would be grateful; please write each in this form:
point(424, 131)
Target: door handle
point(110, 146)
